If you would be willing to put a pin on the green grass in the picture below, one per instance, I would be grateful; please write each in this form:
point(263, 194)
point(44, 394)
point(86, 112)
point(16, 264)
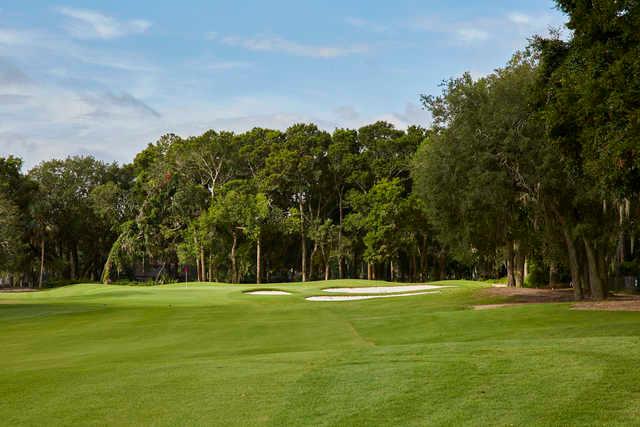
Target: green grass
point(210, 355)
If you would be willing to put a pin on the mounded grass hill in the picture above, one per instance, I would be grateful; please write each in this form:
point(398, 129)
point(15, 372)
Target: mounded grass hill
point(204, 354)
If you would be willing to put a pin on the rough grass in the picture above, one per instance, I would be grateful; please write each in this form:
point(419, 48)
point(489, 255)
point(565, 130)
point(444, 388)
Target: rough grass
point(208, 354)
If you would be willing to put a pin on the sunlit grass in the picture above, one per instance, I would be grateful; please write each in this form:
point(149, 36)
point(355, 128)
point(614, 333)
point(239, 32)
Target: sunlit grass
point(203, 354)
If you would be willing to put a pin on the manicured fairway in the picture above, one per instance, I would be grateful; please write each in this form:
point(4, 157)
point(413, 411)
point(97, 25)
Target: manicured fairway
point(209, 354)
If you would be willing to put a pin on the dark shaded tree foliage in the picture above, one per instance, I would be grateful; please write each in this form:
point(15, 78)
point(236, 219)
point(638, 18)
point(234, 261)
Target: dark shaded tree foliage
point(259, 206)
point(540, 157)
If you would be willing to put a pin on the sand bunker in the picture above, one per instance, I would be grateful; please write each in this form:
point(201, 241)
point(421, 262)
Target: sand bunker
point(363, 297)
point(268, 293)
point(383, 289)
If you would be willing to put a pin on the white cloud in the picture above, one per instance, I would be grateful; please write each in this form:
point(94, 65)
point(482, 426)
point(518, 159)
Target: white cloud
point(32, 46)
point(89, 24)
point(281, 45)
point(42, 121)
point(471, 34)
point(413, 114)
point(519, 18)
point(348, 116)
point(465, 32)
point(534, 24)
point(116, 60)
point(514, 28)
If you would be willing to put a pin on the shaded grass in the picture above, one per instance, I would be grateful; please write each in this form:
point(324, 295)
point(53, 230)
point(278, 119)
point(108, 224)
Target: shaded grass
point(200, 354)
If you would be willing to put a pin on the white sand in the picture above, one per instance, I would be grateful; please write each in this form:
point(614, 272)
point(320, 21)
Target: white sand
point(268, 293)
point(383, 289)
point(362, 297)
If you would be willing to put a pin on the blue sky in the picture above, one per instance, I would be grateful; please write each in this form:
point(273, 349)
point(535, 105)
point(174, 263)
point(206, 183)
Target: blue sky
point(108, 77)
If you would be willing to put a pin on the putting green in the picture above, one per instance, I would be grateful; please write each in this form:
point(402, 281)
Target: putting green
point(209, 354)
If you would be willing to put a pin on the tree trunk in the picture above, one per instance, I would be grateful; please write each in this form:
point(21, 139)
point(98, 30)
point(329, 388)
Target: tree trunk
point(234, 270)
point(511, 277)
point(197, 257)
point(326, 270)
point(303, 244)
point(604, 274)
point(424, 261)
point(202, 264)
point(574, 264)
point(442, 266)
point(391, 272)
point(369, 272)
point(268, 270)
point(313, 254)
point(73, 255)
point(519, 266)
point(554, 279)
point(340, 257)
point(412, 268)
point(159, 273)
point(40, 280)
point(258, 262)
point(595, 281)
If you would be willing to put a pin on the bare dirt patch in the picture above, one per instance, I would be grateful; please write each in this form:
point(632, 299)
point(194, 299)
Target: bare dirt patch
point(520, 296)
point(617, 302)
point(529, 295)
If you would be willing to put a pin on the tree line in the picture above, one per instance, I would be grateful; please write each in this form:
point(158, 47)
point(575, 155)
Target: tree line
point(530, 172)
point(262, 205)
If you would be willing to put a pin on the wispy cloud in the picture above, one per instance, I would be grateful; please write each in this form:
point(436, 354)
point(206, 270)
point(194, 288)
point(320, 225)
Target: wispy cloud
point(346, 113)
point(413, 114)
point(43, 103)
point(365, 24)
point(471, 34)
point(536, 23)
point(225, 65)
point(465, 32)
point(106, 103)
point(519, 18)
point(41, 120)
point(514, 27)
point(282, 45)
point(524, 25)
point(10, 75)
point(31, 45)
point(348, 116)
point(12, 37)
point(90, 24)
